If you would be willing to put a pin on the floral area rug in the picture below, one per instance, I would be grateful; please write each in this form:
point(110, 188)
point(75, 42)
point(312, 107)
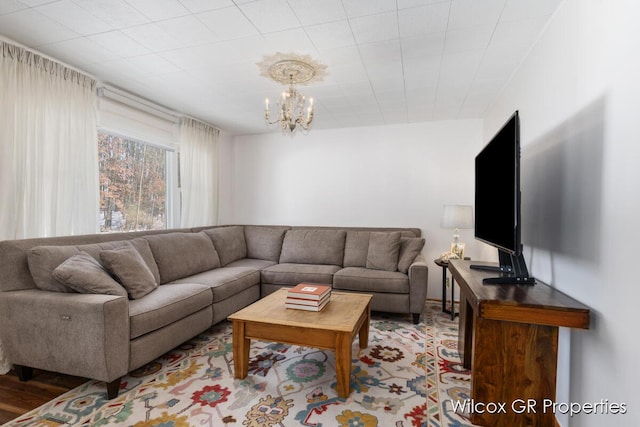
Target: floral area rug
point(447, 380)
point(407, 376)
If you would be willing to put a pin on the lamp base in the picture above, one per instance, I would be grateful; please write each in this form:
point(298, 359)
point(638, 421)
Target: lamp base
point(458, 249)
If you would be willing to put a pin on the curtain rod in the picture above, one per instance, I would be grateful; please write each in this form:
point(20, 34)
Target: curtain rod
point(134, 101)
point(127, 98)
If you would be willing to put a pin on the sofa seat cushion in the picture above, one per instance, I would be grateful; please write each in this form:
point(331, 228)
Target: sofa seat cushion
point(291, 274)
point(225, 281)
point(256, 264)
point(367, 280)
point(165, 305)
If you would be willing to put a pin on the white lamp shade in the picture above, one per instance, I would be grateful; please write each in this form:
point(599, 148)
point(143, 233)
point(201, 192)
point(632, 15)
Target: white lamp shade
point(457, 216)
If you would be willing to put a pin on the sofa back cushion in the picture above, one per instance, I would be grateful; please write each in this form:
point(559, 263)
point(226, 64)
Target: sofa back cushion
point(355, 248)
point(383, 251)
point(182, 254)
point(43, 260)
point(229, 243)
point(264, 242)
point(313, 247)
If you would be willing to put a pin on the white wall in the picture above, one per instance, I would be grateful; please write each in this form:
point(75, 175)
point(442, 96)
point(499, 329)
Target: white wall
point(398, 175)
point(579, 98)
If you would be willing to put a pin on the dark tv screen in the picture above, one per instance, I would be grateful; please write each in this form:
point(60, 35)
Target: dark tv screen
point(497, 189)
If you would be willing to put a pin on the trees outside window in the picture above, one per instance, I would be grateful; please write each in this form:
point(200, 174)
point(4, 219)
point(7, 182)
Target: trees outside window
point(133, 192)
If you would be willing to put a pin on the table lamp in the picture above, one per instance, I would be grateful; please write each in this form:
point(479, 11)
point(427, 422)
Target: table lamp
point(457, 216)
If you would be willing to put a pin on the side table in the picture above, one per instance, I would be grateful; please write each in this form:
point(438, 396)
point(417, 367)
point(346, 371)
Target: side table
point(445, 266)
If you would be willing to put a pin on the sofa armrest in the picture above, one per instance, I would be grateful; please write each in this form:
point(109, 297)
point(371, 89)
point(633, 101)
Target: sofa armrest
point(86, 335)
point(418, 277)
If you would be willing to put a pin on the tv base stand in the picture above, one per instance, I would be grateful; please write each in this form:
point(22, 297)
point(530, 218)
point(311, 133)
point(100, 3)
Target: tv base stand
point(512, 269)
point(509, 340)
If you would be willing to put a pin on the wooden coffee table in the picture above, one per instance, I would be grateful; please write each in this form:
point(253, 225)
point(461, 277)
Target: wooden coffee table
point(334, 327)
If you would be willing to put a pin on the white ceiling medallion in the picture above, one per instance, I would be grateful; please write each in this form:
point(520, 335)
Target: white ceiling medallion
point(291, 69)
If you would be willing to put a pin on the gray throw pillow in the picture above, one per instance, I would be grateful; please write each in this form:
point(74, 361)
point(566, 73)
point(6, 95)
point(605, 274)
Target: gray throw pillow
point(127, 265)
point(409, 250)
point(383, 251)
point(139, 243)
point(86, 275)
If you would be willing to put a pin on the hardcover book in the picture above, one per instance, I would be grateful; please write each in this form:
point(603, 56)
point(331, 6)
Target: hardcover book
point(309, 291)
point(307, 307)
point(307, 301)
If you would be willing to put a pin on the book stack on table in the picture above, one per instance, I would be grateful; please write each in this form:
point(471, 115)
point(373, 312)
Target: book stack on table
point(308, 296)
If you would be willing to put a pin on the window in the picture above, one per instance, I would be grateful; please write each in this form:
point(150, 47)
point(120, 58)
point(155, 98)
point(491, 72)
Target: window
point(133, 184)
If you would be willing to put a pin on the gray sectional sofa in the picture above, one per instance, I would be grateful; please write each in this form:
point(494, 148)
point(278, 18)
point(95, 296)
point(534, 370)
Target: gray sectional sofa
point(99, 306)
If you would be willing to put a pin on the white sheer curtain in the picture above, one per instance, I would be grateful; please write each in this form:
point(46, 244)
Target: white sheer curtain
point(198, 173)
point(48, 150)
point(48, 147)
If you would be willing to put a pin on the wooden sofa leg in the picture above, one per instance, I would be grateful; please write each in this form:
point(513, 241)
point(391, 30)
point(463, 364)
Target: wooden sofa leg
point(113, 388)
point(416, 318)
point(25, 373)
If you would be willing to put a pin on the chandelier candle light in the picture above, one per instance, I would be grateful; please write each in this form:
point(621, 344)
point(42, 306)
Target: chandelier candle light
point(291, 110)
point(291, 69)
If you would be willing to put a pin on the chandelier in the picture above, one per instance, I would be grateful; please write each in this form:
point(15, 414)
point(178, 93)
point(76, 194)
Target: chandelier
point(292, 111)
point(291, 108)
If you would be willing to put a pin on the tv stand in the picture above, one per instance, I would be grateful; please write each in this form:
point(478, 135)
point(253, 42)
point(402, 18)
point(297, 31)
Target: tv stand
point(512, 269)
point(508, 337)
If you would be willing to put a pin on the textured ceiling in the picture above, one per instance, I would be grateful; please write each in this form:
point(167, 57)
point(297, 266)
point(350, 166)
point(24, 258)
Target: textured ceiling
point(388, 61)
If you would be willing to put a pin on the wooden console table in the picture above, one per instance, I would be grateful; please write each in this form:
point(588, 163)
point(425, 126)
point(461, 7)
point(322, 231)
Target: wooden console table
point(509, 340)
